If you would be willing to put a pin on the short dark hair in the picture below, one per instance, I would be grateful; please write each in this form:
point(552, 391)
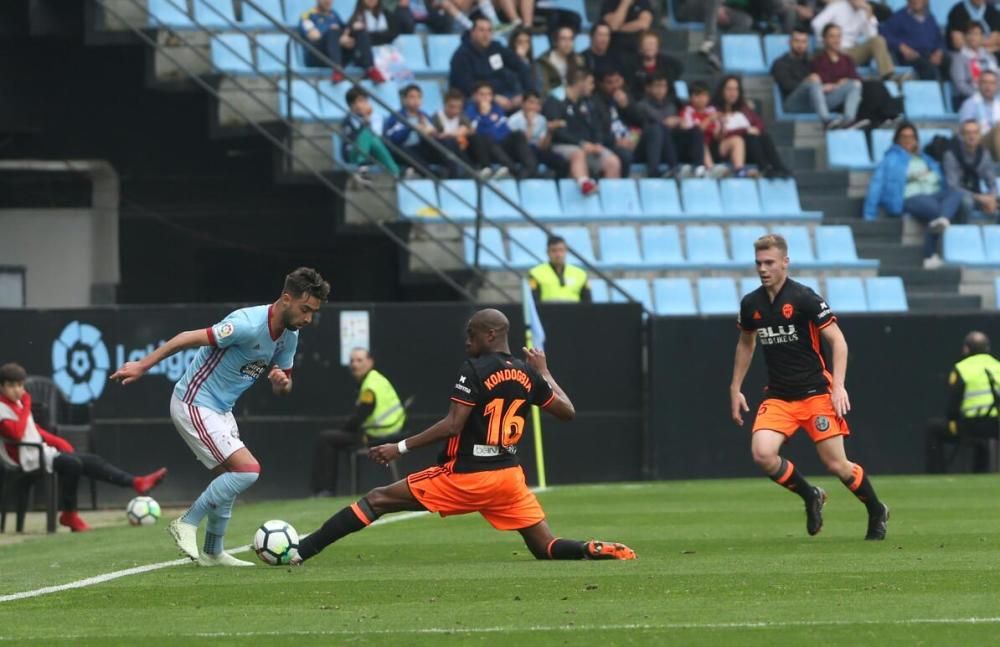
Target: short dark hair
point(828, 27)
point(555, 240)
point(597, 25)
point(354, 94)
point(800, 29)
point(454, 94)
point(698, 87)
point(411, 88)
point(367, 351)
point(479, 85)
point(12, 372)
point(607, 73)
point(481, 18)
point(990, 72)
point(306, 280)
point(576, 74)
point(657, 76)
point(530, 94)
point(972, 24)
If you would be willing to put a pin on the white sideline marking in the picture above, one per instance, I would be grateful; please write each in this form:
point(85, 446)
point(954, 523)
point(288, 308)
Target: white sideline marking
point(138, 570)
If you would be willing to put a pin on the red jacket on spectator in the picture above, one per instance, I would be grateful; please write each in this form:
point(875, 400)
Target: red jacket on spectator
point(12, 431)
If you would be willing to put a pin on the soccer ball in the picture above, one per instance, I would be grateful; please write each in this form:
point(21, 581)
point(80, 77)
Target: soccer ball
point(274, 542)
point(142, 511)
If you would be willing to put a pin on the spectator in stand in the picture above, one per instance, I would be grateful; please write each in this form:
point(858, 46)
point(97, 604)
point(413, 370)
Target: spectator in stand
point(984, 107)
point(801, 89)
point(738, 120)
point(915, 39)
point(664, 133)
point(598, 58)
point(968, 168)
point(859, 37)
point(537, 130)
point(454, 129)
point(556, 63)
point(969, 63)
point(342, 43)
point(702, 117)
point(361, 144)
point(909, 181)
point(482, 59)
point(383, 26)
point(841, 85)
point(488, 119)
point(582, 133)
point(520, 43)
point(628, 20)
point(405, 134)
point(651, 60)
point(979, 12)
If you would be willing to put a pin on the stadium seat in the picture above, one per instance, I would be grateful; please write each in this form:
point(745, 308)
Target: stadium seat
point(741, 240)
point(231, 53)
point(939, 9)
point(305, 103)
point(886, 294)
point(847, 149)
point(214, 14)
point(337, 144)
point(991, 243)
point(576, 205)
point(739, 197)
point(333, 101)
point(527, 246)
point(458, 199)
point(706, 245)
point(638, 289)
point(923, 100)
point(539, 45)
point(810, 282)
point(619, 247)
point(717, 296)
point(963, 244)
point(742, 54)
point(619, 199)
point(433, 99)
point(835, 245)
point(748, 284)
point(674, 296)
point(495, 207)
point(661, 246)
point(780, 197)
point(581, 42)
point(387, 93)
point(701, 197)
point(294, 10)
point(272, 51)
point(254, 19)
point(411, 47)
point(491, 249)
point(775, 46)
point(169, 13)
point(440, 48)
point(846, 294)
point(540, 198)
point(578, 240)
point(681, 91)
point(417, 198)
point(599, 290)
point(660, 198)
point(881, 142)
point(800, 249)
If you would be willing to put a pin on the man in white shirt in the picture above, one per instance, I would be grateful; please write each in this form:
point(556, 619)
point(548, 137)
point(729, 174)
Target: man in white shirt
point(984, 107)
point(859, 33)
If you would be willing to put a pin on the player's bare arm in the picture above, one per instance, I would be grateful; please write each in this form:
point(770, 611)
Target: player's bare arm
point(131, 371)
point(834, 336)
point(281, 382)
point(741, 364)
point(561, 407)
point(450, 425)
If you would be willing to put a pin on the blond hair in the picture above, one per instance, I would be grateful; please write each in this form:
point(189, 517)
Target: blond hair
point(771, 241)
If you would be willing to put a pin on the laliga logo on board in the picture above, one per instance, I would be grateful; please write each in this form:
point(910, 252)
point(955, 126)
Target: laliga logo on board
point(80, 362)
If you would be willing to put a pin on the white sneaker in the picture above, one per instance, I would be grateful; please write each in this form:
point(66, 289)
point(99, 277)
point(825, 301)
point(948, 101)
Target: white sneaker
point(933, 262)
point(222, 559)
point(938, 225)
point(186, 537)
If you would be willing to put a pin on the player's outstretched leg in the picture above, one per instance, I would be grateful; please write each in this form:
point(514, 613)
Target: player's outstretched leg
point(856, 480)
point(357, 516)
point(543, 545)
point(765, 445)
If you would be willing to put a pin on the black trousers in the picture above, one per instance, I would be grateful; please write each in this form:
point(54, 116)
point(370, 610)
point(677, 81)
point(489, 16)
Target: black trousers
point(329, 44)
point(762, 152)
point(424, 154)
point(70, 467)
point(942, 448)
point(514, 147)
point(877, 105)
point(331, 444)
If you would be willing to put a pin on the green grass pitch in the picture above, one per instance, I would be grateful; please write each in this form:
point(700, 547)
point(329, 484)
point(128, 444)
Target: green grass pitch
point(720, 563)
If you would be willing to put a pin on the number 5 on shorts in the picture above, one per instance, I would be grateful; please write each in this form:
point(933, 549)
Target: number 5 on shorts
point(505, 428)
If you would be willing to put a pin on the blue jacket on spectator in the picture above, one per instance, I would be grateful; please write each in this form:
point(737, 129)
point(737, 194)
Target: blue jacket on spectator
point(400, 131)
point(903, 27)
point(322, 22)
point(496, 64)
point(493, 124)
point(888, 183)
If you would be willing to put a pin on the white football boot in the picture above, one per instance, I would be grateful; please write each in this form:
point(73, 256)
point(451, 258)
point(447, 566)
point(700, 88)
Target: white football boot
point(222, 559)
point(186, 537)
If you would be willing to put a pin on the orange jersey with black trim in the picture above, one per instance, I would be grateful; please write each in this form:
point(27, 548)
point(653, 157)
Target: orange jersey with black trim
point(499, 387)
point(789, 331)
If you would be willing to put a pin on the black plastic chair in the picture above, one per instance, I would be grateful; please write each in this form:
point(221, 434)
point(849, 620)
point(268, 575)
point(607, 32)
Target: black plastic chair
point(20, 483)
point(362, 452)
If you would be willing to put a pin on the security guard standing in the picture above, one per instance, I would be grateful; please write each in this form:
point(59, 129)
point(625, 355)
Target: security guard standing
point(378, 415)
point(557, 280)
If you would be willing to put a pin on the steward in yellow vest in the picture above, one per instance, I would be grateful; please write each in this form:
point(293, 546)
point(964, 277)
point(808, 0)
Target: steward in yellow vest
point(557, 281)
point(972, 383)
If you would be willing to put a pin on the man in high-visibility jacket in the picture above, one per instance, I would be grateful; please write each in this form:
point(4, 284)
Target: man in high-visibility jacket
point(557, 280)
point(378, 415)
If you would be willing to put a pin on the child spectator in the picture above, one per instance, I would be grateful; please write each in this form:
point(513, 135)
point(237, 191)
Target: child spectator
point(505, 146)
point(537, 130)
point(454, 126)
point(405, 134)
point(361, 144)
point(700, 114)
point(659, 107)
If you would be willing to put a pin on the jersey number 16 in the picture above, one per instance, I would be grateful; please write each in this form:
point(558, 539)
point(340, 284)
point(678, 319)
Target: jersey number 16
point(505, 428)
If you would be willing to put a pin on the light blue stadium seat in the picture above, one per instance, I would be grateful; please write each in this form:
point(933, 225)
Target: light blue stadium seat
point(231, 53)
point(660, 198)
point(440, 48)
point(170, 14)
point(835, 244)
point(846, 294)
point(527, 246)
point(599, 290)
point(924, 100)
point(495, 207)
point(963, 244)
point(581, 42)
point(748, 284)
point(742, 54)
point(620, 198)
point(886, 294)
point(433, 100)
point(619, 246)
point(674, 296)
point(717, 296)
point(701, 197)
point(810, 282)
point(539, 45)
point(578, 240)
point(417, 198)
point(388, 93)
point(638, 289)
point(740, 197)
point(333, 100)
point(991, 243)
point(775, 46)
point(305, 102)
point(411, 46)
point(780, 197)
point(337, 144)
point(295, 8)
point(491, 248)
point(681, 90)
point(706, 245)
point(458, 199)
point(271, 53)
point(540, 198)
point(741, 240)
point(847, 149)
point(214, 14)
point(881, 142)
point(576, 205)
point(939, 9)
point(800, 249)
point(254, 19)
point(661, 245)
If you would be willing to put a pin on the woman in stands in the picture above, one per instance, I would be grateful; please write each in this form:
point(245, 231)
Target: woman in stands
point(383, 26)
point(738, 119)
point(519, 42)
point(910, 181)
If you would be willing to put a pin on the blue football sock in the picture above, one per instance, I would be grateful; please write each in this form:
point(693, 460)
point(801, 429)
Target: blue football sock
point(213, 542)
point(217, 499)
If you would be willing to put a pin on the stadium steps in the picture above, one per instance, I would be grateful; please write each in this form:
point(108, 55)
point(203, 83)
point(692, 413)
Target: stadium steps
point(891, 253)
point(835, 207)
point(942, 302)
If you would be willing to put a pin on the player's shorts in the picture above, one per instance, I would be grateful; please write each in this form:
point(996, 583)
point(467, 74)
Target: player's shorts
point(212, 436)
point(814, 414)
point(501, 496)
